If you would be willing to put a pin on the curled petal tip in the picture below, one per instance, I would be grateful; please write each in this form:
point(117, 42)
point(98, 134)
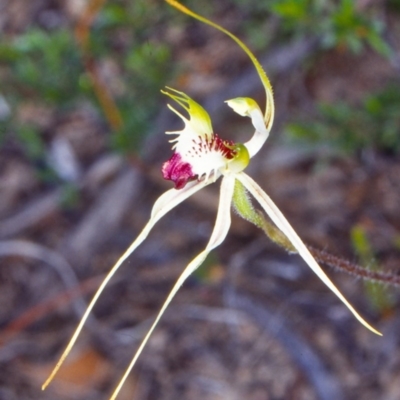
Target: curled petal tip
point(247, 107)
point(242, 105)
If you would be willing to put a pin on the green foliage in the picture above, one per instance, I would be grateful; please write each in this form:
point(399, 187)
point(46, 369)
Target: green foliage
point(394, 5)
point(337, 23)
point(144, 61)
point(145, 66)
point(350, 28)
point(47, 68)
point(34, 149)
point(42, 66)
point(349, 129)
point(33, 145)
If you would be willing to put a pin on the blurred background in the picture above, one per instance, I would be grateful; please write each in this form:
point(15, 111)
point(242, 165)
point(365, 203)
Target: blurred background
point(82, 142)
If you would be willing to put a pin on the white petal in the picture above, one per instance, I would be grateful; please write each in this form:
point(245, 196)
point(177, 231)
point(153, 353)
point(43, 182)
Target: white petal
point(166, 202)
point(218, 235)
point(281, 222)
point(260, 135)
point(247, 107)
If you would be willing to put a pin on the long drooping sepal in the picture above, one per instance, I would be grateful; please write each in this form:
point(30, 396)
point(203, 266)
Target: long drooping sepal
point(165, 203)
point(261, 135)
point(282, 223)
point(218, 235)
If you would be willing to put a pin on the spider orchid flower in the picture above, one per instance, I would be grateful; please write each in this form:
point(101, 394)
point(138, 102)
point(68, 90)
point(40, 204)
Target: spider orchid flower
point(200, 158)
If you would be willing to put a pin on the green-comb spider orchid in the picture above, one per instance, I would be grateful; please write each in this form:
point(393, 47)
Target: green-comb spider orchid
point(200, 158)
